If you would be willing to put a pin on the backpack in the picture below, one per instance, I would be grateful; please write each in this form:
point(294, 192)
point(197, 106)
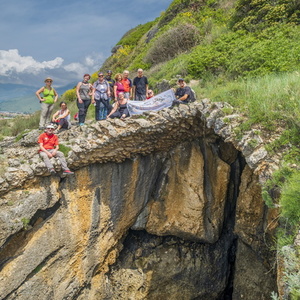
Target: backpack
point(192, 96)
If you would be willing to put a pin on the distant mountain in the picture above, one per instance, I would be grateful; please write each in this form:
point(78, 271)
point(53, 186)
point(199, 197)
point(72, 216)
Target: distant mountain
point(21, 98)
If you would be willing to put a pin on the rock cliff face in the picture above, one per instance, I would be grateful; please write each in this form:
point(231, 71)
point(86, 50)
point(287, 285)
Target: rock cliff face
point(163, 207)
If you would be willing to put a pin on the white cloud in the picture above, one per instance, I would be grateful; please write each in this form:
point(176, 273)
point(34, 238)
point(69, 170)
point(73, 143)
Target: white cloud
point(75, 67)
point(12, 62)
point(27, 70)
point(90, 64)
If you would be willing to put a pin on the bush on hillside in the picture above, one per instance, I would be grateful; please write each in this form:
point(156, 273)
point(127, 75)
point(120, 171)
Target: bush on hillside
point(174, 41)
point(176, 7)
point(235, 54)
point(133, 36)
point(290, 199)
point(253, 15)
point(69, 96)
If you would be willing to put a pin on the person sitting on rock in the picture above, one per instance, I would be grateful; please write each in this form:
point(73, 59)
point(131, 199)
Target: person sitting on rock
point(120, 108)
point(49, 146)
point(62, 117)
point(183, 93)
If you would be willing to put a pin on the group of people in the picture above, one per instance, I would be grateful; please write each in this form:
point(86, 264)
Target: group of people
point(110, 95)
point(48, 141)
point(110, 98)
point(47, 96)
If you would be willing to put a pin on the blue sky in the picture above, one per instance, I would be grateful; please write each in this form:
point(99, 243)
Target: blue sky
point(64, 39)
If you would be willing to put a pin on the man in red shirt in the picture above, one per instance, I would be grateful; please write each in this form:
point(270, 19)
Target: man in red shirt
point(127, 83)
point(48, 142)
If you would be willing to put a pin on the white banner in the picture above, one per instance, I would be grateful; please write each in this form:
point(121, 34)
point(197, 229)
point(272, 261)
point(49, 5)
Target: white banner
point(155, 103)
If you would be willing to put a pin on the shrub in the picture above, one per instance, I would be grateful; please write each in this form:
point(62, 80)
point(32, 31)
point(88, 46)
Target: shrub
point(290, 199)
point(69, 95)
point(174, 41)
point(237, 54)
point(133, 36)
point(253, 15)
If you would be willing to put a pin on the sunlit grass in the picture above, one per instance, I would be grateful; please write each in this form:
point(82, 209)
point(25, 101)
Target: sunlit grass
point(269, 99)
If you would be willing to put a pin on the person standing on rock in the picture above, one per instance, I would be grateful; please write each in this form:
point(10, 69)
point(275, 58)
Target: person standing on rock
point(84, 93)
point(118, 87)
point(49, 146)
point(127, 83)
point(49, 97)
point(111, 82)
point(100, 97)
point(140, 86)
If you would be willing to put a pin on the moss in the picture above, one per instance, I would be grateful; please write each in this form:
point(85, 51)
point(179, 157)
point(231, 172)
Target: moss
point(25, 222)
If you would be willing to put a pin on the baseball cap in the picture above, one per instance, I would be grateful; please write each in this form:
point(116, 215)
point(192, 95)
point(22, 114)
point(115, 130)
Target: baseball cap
point(180, 79)
point(50, 126)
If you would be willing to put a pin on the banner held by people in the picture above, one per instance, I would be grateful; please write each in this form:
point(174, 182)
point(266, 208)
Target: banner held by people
point(155, 103)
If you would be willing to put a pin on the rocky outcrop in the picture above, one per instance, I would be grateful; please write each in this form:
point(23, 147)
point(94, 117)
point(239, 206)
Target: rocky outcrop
point(165, 205)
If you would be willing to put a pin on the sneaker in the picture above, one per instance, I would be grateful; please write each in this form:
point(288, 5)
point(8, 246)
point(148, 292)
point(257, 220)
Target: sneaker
point(52, 171)
point(81, 124)
point(68, 172)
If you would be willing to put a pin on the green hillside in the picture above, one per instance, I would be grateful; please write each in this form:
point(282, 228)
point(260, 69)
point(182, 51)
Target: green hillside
point(245, 52)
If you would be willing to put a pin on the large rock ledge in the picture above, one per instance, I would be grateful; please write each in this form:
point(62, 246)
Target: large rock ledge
point(170, 192)
point(115, 140)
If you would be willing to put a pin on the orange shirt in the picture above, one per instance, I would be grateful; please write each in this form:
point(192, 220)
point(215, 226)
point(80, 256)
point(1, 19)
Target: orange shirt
point(48, 141)
point(127, 85)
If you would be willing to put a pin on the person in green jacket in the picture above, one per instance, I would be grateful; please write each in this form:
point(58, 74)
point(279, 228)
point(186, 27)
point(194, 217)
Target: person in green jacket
point(47, 100)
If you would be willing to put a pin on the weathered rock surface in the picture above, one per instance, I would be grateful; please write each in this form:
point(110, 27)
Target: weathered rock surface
point(166, 206)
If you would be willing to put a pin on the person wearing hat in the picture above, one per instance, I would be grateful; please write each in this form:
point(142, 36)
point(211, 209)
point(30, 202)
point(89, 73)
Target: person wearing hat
point(183, 93)
point(49, 146)
point(47, 100)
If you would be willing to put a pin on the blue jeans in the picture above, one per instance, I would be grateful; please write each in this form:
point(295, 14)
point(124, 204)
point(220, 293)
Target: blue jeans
point(102, 113)
point(102, 109)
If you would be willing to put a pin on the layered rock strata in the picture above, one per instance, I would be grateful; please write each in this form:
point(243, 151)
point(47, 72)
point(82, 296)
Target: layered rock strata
point(166, 205)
